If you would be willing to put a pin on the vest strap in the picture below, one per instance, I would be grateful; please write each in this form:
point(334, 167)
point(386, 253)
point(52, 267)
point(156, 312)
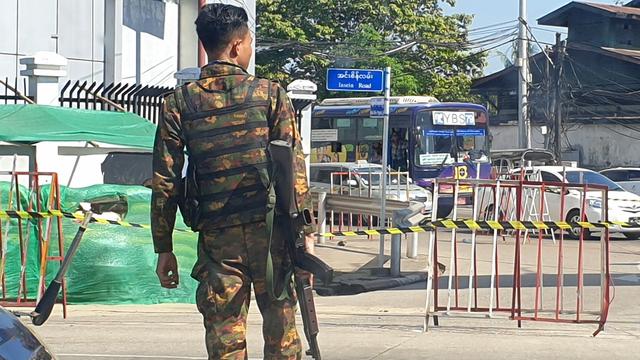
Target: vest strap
point(225, 110)
point(235, 149)
point(228, 210)
point(230, 129)
point(232, 171)
point(237, 191)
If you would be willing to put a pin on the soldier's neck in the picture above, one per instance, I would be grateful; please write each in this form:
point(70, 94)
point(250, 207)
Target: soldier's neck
point(223, 58)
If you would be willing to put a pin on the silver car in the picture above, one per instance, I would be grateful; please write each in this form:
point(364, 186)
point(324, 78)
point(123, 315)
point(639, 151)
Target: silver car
point(363, 179)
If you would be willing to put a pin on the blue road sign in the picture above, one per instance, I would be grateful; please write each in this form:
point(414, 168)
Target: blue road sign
point(355, 80)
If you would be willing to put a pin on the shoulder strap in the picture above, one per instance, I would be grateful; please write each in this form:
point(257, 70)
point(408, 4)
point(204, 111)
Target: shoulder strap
point(252, 89)
point(191, 108)
point(269, 101)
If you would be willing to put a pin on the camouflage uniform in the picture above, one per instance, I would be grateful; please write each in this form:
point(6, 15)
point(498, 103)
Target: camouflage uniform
point(236, 115)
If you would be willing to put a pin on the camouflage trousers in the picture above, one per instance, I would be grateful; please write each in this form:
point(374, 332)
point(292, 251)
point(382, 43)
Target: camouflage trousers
point(230, 260)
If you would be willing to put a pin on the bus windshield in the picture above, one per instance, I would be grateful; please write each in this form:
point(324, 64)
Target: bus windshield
point(435, 143)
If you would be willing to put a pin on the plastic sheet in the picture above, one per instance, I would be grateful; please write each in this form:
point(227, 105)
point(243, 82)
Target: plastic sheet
point(114, 264)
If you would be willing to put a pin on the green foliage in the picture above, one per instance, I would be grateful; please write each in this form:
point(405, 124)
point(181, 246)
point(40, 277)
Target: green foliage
point(301, 39)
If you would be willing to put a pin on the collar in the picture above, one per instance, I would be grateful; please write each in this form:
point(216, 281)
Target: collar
point(221, 68)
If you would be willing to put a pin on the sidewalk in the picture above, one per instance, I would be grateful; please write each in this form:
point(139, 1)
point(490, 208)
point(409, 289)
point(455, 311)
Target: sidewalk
point(355, 262)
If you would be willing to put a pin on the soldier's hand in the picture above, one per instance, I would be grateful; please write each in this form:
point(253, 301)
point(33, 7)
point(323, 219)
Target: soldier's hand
point(309, 247)
point(167, 270)
point(309, 243)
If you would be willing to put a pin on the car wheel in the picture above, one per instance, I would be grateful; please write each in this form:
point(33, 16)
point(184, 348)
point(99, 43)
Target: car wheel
point(574, 216)
point(445, 207)
point(489, 215)
point(632, 236)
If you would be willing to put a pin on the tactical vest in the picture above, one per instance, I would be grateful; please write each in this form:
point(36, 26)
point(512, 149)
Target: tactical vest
point(226, 139)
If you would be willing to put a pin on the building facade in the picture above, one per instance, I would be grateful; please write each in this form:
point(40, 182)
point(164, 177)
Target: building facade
point(599, 87)
point(111, 41)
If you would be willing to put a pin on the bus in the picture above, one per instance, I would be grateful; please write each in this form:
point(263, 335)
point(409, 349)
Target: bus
point(427, 138)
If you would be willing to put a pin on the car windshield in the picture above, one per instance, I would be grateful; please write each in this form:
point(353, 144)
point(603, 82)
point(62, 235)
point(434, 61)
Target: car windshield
point(373, 175)
point(588, 177)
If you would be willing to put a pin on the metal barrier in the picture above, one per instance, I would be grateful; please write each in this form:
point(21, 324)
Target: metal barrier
point(402, 212)
point(361, 184)
point(12, 93)
point(42, 227)
point(559, 203)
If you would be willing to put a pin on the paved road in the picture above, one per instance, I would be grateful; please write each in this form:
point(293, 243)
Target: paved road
point(388, 324)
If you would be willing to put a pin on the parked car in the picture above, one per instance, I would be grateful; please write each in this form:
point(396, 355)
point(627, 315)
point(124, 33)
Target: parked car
point(363, 179)
point(18, 341)
point(627, 178)
point(623, 205)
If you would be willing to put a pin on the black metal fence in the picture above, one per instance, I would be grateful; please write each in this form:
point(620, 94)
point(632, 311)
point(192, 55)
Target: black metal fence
point(146, 101)
point(13, 92)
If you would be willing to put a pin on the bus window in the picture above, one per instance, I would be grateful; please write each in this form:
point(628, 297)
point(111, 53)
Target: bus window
point(399, 146)
point(369, 140)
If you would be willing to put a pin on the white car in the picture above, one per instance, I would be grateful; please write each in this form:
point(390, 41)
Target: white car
point(627, 178)
point(623, 205)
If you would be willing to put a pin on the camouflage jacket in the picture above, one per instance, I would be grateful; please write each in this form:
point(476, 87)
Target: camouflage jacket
point(222, 86)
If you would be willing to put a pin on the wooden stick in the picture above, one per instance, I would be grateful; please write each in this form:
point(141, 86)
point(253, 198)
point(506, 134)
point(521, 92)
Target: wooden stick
point(104, 99)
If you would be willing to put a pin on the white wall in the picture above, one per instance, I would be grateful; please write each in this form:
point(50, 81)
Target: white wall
point(73, 28)
point(76, 30)
point(149, 42)
point(600, 146)
point(88, 171)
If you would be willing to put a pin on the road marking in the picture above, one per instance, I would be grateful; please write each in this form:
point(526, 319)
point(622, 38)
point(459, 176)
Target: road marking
point(89, 356)
point(629, 278)
point(136, 356)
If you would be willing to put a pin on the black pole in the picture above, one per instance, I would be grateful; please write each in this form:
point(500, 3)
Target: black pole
point(559, 60)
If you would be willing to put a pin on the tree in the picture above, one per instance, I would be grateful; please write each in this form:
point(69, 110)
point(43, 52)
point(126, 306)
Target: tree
point(301, 39)
point(510, 57)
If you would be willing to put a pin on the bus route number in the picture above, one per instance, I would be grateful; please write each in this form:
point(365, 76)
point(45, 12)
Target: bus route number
point(461, 172)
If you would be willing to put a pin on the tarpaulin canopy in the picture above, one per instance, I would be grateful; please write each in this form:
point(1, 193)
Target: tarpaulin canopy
point(36, 123)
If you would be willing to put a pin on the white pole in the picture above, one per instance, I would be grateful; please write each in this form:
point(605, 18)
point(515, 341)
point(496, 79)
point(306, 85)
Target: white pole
point(474, 217)
point(385, 152)
point(494, 246)
point(322, 216)
point(524, 125)
point(430, 257)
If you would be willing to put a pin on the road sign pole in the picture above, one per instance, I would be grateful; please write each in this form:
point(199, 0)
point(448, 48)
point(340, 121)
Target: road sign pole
point(385, 160)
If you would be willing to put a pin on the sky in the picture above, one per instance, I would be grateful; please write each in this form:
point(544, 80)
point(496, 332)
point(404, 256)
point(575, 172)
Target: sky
point(490, 12)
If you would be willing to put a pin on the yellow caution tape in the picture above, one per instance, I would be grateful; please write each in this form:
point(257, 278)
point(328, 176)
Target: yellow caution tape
point(488, 225)
point(449, 224)
point(26, 215)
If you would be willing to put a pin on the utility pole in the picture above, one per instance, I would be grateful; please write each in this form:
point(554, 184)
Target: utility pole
point(557, 126)
point(524, 124)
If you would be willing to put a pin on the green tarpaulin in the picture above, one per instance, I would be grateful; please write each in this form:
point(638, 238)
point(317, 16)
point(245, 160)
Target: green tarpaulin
point(35, 123)
point(114, 264)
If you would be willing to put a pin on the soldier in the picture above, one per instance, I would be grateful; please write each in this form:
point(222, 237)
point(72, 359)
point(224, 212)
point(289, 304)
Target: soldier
point(224, 121)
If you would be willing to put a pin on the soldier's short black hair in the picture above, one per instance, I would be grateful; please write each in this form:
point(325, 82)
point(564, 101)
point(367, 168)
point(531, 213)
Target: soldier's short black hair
point(217, 24)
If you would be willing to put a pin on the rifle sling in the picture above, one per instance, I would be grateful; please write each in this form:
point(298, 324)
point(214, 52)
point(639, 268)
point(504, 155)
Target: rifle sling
point(270, 219)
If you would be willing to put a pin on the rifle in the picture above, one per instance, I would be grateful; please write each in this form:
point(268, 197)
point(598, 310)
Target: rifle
point(282, 159)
